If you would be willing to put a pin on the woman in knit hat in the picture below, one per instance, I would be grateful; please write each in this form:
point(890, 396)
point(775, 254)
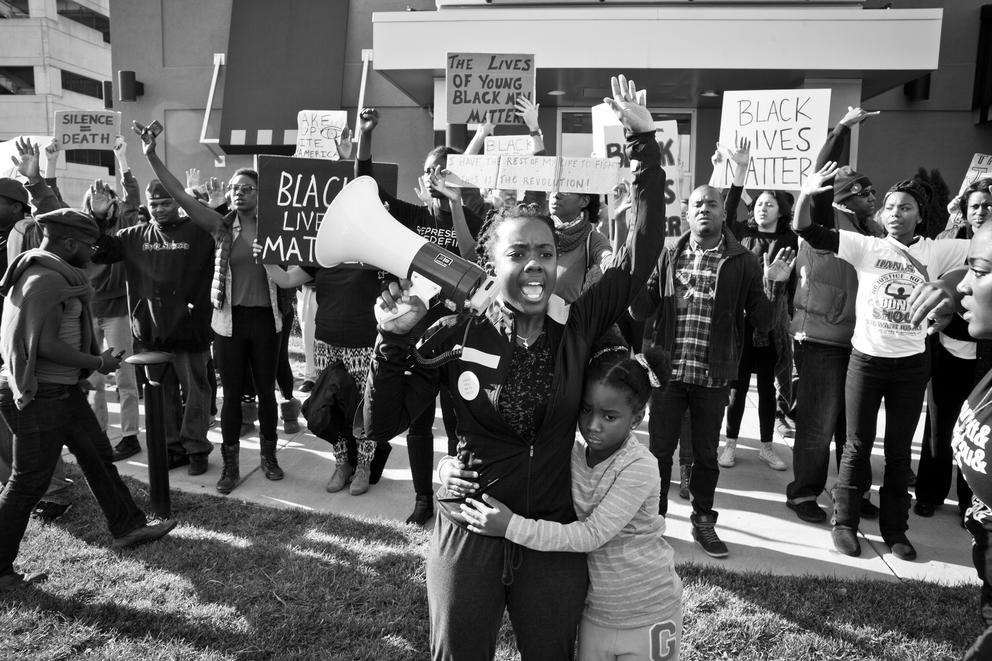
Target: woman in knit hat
point(889, 360)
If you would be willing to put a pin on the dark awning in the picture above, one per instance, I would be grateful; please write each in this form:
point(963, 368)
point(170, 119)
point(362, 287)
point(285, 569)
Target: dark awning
point(282, 57)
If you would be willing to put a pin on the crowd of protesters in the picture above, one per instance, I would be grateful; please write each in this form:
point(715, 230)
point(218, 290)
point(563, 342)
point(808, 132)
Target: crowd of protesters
point(837, 306)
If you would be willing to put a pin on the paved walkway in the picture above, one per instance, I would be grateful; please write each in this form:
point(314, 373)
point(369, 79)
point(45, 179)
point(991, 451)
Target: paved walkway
point(762, 534)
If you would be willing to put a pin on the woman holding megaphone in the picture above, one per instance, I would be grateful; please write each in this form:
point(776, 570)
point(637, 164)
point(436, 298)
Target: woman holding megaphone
point(517, 377)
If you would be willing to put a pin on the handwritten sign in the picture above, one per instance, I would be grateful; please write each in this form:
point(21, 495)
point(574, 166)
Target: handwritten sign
point(534, 173)
point(293, 194)
point(981, 166)
point(318, 133)
point(537, 173)
point(513, 145)
point(86, 129)
point(472, 171)
point(786, 129)
point(587, 175)
point(483, 86)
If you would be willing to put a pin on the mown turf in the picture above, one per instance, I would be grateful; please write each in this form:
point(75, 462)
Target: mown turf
point(242, 581)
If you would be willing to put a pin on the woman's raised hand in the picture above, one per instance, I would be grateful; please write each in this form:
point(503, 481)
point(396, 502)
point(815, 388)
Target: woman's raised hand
point(817, 182)
point(779, 269)
point(630, 105)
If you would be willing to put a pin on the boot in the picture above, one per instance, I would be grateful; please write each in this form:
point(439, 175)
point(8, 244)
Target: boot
point(343, 470)
point(230, 475)
point(423, 509)
point(290, 411)
point(249, 412)
point(685, 471)
point(360, 481)
point(269, 464)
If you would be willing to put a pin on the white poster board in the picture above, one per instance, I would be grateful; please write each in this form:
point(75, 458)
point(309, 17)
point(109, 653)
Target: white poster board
point(514, 145)
point(86, 129)
point(318, 133)
point(8, 149)
point(981, 166)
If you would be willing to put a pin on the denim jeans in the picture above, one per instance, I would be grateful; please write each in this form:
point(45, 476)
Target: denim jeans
point(901, 382)
point(58, 415)
point(820, 416)
point(706, 406)
point(58, 488)
point(186, 391)
point(115, 333)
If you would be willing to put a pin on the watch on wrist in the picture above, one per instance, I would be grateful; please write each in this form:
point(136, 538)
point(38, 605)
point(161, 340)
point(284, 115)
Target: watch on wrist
point(537, 133)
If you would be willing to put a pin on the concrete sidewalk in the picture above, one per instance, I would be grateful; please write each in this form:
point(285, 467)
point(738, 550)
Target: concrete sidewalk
point(762, 534)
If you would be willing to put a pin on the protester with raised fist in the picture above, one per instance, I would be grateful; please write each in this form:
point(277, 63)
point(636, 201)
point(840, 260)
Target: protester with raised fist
point(889, 360)
point(517, 379)
point(246, 319)
point(48, 347)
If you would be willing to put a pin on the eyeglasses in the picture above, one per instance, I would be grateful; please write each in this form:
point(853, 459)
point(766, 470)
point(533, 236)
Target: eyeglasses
point(240, 188)
point(868, 192)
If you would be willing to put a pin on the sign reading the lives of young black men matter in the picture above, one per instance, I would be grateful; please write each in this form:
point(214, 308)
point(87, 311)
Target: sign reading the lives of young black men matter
point(293, 194)
point(86, 129)
point(485, 86)
point(786, 129)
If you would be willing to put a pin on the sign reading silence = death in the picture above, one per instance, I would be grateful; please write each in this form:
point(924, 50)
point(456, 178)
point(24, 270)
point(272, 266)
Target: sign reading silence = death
point(293, 194)
point(86, 129)
point(485, 86)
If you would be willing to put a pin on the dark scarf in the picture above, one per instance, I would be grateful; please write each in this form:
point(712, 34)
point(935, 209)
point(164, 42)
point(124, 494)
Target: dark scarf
point(572, 235)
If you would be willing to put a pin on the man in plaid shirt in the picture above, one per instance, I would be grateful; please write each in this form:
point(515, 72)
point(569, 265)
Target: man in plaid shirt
point(698, 296)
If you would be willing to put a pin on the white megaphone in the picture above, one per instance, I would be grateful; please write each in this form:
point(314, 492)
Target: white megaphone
point(356, 228)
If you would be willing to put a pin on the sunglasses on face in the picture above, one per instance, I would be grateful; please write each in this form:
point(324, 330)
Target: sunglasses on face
point(868, 192)
point(241, 188)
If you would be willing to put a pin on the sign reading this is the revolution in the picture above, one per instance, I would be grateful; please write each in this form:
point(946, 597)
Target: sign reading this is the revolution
point(86, 129)
point(485, 86)
point(786, 129)
point(293, 194)
point(536, 173)
point(318, 133)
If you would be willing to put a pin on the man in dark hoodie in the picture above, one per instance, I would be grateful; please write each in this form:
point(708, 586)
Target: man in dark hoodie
point(168, 266)
point(48, 347)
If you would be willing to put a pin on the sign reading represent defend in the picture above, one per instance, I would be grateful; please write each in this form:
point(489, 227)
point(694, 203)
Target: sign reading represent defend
point(86, 129)
point(293, 194)
point(786, 129)
point(485, 86)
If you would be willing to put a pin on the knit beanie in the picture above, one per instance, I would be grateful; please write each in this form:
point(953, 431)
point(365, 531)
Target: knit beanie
point(847, 182)
point(156, 191)
point(919, 191)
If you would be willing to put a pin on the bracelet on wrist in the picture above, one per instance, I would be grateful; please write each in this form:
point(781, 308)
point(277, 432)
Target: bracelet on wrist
point(537, 133)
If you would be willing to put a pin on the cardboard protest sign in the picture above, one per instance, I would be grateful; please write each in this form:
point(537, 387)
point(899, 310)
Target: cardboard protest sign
point(514, 145)
point(8, 150)
point(472, 171)
point(293, 194)
point(786, 129)
point(318, 133)
point(536, 173)
point(981, 166)
point(483, 86)
point(86, 129)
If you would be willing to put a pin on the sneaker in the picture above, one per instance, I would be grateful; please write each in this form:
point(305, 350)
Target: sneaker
point(685, 472)
point(728, 453)
point(46, 511)
point(784, 428)
point(197, 463)
point(767, 455)
point(704, 533)
point(342, 475)
point(127, 447)
point(846, 541)
point(901, 547)
point(360, 481)
point(868, 509)
point(144, 534)
point(176, 460)
point(808, 511)
point(307, 385)
point(924, 509)
point(14, 580)
point(423, 510)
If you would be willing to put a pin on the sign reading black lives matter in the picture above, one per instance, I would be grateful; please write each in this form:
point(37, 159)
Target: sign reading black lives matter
point(293, 194)
point(486, 86)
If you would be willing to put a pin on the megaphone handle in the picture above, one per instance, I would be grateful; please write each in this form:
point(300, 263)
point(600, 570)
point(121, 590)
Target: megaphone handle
point(420, 287)
point(382, 316)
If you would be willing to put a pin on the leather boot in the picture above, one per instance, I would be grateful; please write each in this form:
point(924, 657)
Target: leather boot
point(230, 475)
point(290, 412)
point(269, 464)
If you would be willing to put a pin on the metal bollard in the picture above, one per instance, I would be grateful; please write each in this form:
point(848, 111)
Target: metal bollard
point(157, 365)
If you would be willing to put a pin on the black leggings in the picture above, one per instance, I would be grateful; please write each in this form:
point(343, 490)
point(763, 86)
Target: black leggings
point(284, 372)
point(762, 361)
point(420, 443)
point(253, 342)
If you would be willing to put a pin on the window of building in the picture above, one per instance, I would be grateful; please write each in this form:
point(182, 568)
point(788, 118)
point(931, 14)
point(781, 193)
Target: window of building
point(16, 80)
point(14, 9)
point(81, 84)
point(80, 14)
point(98, 157)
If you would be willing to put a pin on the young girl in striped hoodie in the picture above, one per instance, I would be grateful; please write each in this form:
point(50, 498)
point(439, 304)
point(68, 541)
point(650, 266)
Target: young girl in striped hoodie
point(634, 604)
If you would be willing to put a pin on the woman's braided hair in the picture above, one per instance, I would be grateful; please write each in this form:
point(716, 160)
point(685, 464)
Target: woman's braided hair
point(487, 235)
point(612, 365)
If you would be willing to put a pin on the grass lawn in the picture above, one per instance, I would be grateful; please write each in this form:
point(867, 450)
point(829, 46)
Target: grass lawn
point(242, 581)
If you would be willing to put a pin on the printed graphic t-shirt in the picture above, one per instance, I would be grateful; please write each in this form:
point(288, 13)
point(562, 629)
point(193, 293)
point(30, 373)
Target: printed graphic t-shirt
point(886, 280)
point(971, 436)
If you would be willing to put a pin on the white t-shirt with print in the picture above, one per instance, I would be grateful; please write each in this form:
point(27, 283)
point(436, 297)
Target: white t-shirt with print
point(886, 280)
